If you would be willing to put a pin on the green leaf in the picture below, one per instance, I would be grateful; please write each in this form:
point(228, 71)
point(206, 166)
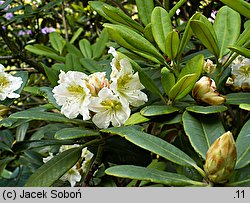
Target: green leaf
point(44, 51)
point(205, 32)
point(244, 36)
point(240, 50)
point(45, 116)
point(90, 65)
point(172, 44)
point(5, 4)
point(152, 175)
point(74, 133)
point(76, 35)
point(145, 8)
point(238, 98)
point(186, 35)
point(57, 41)
point(73, 50)
point(47, 93)
point(227, 26)
point(176, 7)
point(182, 87)
point(239, 5)
point(51, 74)
point(136, 118)
point(133, 41)
point(21, 131)
point(153, 144)
point(167, 79)
point(161, 26)
point(72, 63)
point(202, 131)
point(245, 106)
point(51, 171)
point(85, 48)
point(206, 109)
point(243, 146)
point(148, 33)
point(156, 110)
point(119, 16)
point(100, 45)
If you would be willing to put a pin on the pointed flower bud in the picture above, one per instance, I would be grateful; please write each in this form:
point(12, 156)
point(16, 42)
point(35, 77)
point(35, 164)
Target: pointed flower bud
point(209, 67)
point(205, 91)
point(3, 111)
point(221, 158)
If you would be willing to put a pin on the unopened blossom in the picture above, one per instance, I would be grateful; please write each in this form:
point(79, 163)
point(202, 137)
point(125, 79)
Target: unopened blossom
point(3, 111)
point(8, 84)
point(96, 81)
point(240, 70)
point(72, 175)
point(109, 109)
point(125, 83)
point(209, 67)
point(221, 158)
point(72, 94)
point(204, 90)
point(87, 156)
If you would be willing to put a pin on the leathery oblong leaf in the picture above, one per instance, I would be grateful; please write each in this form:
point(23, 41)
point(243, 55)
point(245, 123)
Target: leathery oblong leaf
point(134, 41)
point(161, 26)
point(172, 44)
point(206, 35)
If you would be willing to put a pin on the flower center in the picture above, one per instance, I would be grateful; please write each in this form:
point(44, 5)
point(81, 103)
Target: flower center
point(245, 70)
point(123, 80)
point(76, 89)
point(4, 82)
point(111, 104)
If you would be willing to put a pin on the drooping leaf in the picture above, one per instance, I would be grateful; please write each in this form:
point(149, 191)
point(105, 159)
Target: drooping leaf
point(52, 170)
point(202, 131)
point(161, 26)
point(239, 5)
point(44, 51)
point(243, 146)
point(153, 144)
point(45, 116)
point(156, 110)
point(152, 175)
point(227, 26)
point(145, 8)
point(240, 50)
point(206, 109)
point(73, 133)
point(134, 42)
point(238, 98)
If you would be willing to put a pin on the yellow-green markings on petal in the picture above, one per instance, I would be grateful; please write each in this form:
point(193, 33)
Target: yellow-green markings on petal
point(111, 104)
point(4, 82)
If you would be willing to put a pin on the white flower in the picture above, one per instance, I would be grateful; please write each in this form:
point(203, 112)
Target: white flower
point(46, 159)
point(72, 175)
point(109, 108)
point(66, 147)
point(96, 81)
point(87, 155)
point(8, 84)
point(72, 94)
point(125, 83)
point(241, 71)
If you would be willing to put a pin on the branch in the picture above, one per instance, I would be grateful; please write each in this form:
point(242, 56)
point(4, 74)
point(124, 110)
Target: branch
point(17, 53)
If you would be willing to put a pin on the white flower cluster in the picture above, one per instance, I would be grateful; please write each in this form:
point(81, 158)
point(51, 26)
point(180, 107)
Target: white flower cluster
point(74, 174)
point(8, 84)
point(108, 101)
point(240, 70)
